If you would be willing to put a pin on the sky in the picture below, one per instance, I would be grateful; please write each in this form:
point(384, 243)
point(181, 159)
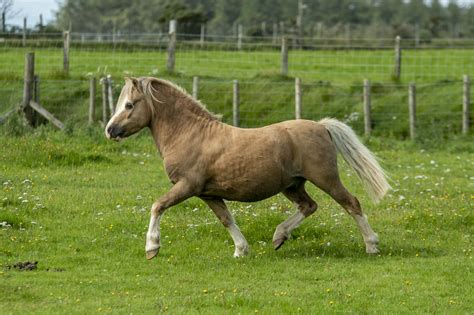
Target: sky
point(33, 8)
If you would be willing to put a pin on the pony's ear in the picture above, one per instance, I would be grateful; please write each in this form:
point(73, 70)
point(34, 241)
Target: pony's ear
point(134, 82)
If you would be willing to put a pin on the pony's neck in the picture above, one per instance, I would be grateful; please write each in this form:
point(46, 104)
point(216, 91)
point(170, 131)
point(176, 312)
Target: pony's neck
point(177, 119)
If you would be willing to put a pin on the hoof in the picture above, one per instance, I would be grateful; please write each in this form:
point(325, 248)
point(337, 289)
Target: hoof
point(152, 253)
point(278, 242)
point(372, 250)
point(241, 252)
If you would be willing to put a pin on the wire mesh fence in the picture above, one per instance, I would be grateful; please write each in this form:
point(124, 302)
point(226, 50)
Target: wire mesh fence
point(332, 72)
point(335, 60)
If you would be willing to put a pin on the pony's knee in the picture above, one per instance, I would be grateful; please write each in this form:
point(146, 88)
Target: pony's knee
point(352, 206)
point(355, 208)
point(157, 209)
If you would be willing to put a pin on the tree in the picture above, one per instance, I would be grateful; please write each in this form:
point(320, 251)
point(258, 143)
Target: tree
point(7, 12)
point(454, 17)
point(437, 19)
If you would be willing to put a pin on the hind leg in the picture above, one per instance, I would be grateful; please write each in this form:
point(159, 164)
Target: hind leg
point(331, 184)
point(352, 206)
point(305, 205)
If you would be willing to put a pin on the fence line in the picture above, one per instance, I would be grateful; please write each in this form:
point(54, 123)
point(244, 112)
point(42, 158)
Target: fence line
point(252, 106)
point(333, 61)
point(372, 116)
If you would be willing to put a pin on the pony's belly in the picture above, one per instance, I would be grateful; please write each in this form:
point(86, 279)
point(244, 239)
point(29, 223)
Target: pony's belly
point(246, 190)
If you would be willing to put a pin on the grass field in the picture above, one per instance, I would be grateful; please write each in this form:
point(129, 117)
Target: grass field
point(78, 205)
point(336, 66)
point(332, 84)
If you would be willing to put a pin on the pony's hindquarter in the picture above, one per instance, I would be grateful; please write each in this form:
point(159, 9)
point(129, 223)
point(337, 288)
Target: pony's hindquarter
point(359, 157)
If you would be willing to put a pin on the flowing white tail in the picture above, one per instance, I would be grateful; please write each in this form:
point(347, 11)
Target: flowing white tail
point(359, 157)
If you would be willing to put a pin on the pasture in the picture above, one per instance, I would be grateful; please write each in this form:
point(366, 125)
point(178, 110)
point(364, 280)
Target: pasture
point(79, 205)
point(329, 64)
point(332, 83)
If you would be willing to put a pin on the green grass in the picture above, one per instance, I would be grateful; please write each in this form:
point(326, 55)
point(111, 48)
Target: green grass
point(332, 83)
point(336, 66)
point(79, 206)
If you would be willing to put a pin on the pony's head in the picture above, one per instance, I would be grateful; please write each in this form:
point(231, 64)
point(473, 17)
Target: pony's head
point(134, 111)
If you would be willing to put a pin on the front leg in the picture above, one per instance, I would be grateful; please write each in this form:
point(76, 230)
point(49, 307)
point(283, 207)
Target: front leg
point(181, 191)
point(220, 210)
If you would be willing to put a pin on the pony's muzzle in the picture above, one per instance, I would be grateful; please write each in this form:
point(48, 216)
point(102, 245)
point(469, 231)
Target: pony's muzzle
point(115, 132)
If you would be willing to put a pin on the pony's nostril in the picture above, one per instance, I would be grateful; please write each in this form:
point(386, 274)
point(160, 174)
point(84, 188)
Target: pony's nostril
point(115, 131)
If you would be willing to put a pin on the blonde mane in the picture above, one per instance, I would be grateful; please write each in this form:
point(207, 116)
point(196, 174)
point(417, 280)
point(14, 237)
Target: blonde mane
point(194, 105)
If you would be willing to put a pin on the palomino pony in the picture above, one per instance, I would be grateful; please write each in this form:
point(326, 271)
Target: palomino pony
point(214, 161)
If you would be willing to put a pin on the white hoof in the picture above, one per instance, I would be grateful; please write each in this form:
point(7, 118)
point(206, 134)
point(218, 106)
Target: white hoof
point(371, 245)
point(372, 249)
point(241, 251)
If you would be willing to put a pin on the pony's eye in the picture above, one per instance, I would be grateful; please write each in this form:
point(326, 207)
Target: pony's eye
point(128, 105)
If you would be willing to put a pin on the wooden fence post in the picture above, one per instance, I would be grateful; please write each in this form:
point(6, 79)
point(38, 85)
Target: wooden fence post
point(298, 98)
point(299, 23)
point(264, 28)
point(195, 87)
point(398, 59)
point(239, 37)
point(275, 34)
point(236, 104)
point(66, 43)
point(417, 35)
point(36, 89)
point(92, 91)
point(466, 111)
point(203, 34)
point(412, 109)
point(4, 21)
point(367, 108)
point(28, 85)
point(103, 81)
point(294, 42)
point(110, 95)
point(282, 29)
point(171, 46)
point(284, 56)
point(23, 41)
